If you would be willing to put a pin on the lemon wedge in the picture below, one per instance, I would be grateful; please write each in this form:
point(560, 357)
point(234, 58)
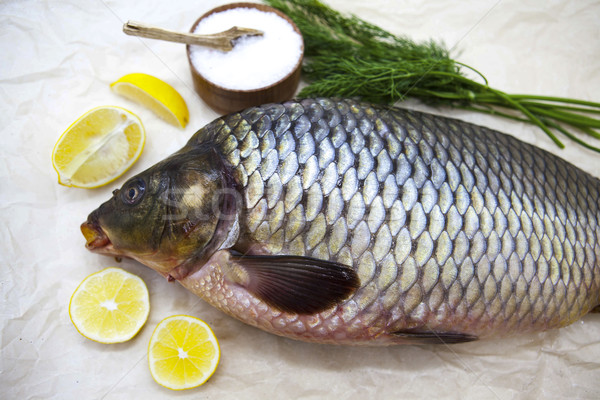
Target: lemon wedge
point(110, 306)
point(183, 352)
point(99, 147)
point(158, 96)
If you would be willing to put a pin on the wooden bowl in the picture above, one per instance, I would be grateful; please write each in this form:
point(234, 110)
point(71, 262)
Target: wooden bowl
point(224, 100)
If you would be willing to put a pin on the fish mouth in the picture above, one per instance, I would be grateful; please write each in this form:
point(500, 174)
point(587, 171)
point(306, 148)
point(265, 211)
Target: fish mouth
point(95, 237)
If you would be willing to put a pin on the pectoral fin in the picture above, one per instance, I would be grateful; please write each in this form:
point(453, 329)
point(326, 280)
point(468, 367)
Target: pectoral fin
point(431, 337)
point(294, 284)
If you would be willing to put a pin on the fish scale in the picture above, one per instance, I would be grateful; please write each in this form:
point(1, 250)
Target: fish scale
point(450, 227)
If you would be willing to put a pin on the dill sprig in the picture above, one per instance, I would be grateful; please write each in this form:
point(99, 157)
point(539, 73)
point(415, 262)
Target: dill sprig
point(346, 56)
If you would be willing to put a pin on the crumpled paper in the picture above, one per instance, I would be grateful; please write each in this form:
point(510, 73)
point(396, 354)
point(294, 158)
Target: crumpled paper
point(58, 59)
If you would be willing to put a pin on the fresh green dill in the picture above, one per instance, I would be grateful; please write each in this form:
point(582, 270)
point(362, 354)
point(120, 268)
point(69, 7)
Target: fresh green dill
point(346, 56)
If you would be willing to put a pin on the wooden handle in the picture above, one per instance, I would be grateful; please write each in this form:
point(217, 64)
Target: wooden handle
point(221, 41)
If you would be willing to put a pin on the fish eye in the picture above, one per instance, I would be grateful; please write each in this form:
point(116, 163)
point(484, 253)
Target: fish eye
point(133, 192)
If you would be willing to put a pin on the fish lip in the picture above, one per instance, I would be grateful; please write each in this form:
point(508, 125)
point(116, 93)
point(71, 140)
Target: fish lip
point(96, 239)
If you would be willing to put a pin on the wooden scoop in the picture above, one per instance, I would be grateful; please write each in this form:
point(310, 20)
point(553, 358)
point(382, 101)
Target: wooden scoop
point(223, 41)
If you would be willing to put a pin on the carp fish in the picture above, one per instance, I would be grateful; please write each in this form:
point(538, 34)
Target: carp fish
point(336, 221)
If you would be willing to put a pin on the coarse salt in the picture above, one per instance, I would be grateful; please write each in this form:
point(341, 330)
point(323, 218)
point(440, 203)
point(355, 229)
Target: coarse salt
point(255, 61)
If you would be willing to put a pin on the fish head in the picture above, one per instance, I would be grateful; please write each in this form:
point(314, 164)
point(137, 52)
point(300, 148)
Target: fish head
point(165, 216)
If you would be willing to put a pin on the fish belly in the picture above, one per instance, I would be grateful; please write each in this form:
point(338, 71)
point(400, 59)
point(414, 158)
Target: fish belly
point(451, 227)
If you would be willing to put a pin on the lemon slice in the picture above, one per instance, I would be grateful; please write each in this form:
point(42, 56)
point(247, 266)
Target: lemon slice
point(99, 147)
point(110, 306)
point(183, 352)
point(155, 94)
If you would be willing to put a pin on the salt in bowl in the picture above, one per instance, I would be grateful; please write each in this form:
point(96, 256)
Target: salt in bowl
point(258, 70)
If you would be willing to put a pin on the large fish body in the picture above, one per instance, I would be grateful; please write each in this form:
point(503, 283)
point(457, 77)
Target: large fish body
point(342, 222)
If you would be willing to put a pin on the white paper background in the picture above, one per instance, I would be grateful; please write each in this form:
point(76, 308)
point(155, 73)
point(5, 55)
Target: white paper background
point(57, 61)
